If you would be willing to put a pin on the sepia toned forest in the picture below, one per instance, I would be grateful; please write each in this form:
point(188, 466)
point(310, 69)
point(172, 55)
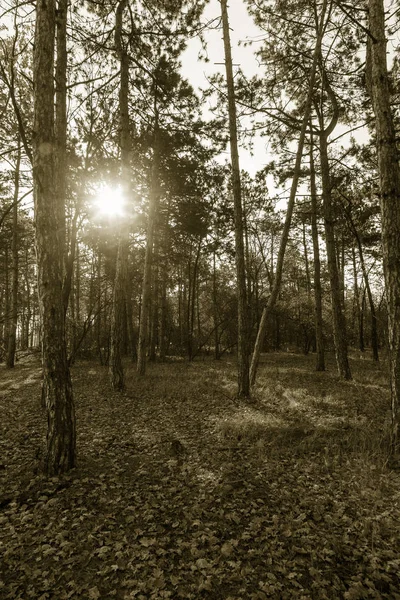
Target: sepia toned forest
point(202, 326)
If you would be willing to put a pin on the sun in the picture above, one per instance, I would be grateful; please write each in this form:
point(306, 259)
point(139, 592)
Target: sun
point(110, 201)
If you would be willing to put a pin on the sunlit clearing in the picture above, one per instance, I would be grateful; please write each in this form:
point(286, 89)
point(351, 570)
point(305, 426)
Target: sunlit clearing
point(110, 201)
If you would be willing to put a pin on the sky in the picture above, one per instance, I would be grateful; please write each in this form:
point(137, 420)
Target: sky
point(242, 28)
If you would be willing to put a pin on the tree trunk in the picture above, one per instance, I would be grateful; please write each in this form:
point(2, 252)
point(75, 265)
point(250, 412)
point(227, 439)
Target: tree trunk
point(306, 261)
point(243, 316)
point(6, 303)
point(356, 303)
point(319, 336)
point(61, 123)
point(154, 323)
point(146, 291)
point(389, 174)
point(362, 313)
point(12, 328)
point(163, 316)
point(57, 387)
point(374, 320)
point(215, 311)
point(289, 211)
point(116, 369)
point(192, 303)
point(339, 322)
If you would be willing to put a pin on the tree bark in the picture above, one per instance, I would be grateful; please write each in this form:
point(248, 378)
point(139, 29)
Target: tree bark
point(12, 328)
point(357, 304)
point(319, 336)
point(215, 310)
point(339, 321)
point(243, 311)
point(374, 320)
point(57, 387)
point(116, 369)
point(61, 123)
point(146, 291)
point(154, 320)
point(289, 211)
point(389, 179)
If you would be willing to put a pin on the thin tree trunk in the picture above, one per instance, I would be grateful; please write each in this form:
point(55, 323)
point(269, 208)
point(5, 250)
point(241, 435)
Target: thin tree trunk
point(243, 316)
point(339, 322)
point(306, 261)
point(319, 336)
point(12, 330)
point(6, 303)
point(362, 313)
point(389, 173)
point(289, 211)
point(154, 328)
point(25, 340)
point(146, 291)
point(374, 320)
point(129, 319)
point(356, 303)
point(61, 122)
point(163, 316)
point(215, 311)
point(192, 303)
point(116, 369)
point(57, 387)
point(98, 322)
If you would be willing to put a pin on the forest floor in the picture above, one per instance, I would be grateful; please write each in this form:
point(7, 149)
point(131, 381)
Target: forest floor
point(183, 491)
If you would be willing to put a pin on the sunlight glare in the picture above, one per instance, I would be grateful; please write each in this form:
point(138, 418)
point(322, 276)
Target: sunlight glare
point(110, 201)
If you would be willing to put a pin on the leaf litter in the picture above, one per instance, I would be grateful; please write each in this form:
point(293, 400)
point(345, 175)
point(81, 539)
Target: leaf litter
point(182, 491)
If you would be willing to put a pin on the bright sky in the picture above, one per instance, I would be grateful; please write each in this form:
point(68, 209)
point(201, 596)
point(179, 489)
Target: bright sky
point(242, 28)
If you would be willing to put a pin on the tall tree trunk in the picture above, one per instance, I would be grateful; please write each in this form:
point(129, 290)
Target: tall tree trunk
point(339, 322)
point(154, 321)
point(12, 329)
point(6, 303)
point(362, 313)
point(319, 335)
point(163, 316)
point(146, 291)
point(116, 369)
point(243, 316)
point(289, 211)
point(61, 122)
point(389, 174)
point(215, 310)
point(192, 302)
point(129, 319)
point(28, 313)
point(356, 303)
point(306, 261)
point(98, 322)
point(374, 319)
point(57, 387)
